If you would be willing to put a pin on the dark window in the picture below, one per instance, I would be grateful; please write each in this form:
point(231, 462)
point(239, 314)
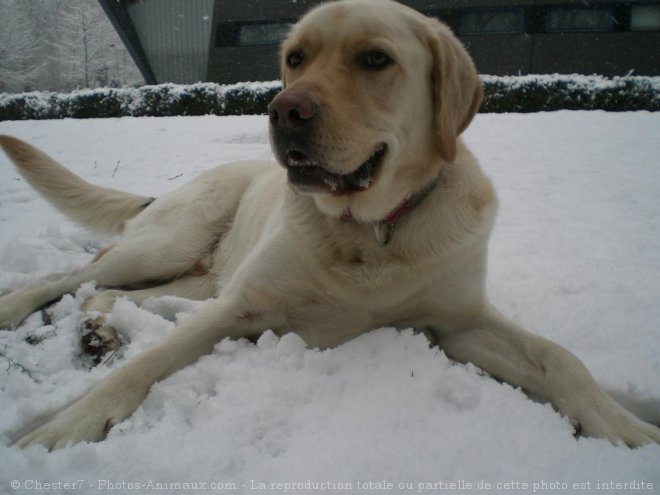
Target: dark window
point(645, 18)
point(499, 21)
point(448, 16)
point(251, 33)
point(226, 34)
point(267, 33)
point(567, 19)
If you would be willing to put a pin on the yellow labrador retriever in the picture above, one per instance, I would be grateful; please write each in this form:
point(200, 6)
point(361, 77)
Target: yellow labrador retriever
point(377, 215)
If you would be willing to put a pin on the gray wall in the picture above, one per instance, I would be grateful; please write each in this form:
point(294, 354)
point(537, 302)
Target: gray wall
point(175, 35)
point(608, 53)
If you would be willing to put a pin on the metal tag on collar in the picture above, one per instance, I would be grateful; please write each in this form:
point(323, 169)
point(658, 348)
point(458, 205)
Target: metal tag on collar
point(383, 232)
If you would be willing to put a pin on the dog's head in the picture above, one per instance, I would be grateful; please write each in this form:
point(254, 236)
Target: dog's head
point(374, 98)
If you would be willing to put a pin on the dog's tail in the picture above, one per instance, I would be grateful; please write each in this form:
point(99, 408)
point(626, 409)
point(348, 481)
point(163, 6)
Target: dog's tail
point(98, 208)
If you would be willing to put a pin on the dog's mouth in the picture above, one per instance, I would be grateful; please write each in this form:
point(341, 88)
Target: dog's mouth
point(306, 175)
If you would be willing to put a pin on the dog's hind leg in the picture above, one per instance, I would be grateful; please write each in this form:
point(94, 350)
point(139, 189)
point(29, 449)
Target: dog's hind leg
point(98, 337)
point(135, 260)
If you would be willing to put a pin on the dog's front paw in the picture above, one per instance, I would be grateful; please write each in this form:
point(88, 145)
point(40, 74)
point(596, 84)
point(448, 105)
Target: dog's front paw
point(91, 418)
point(75, 424)
point(613, 422)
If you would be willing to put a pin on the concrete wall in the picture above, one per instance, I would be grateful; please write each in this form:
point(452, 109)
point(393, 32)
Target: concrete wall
point(175, 35)
point(615, 52)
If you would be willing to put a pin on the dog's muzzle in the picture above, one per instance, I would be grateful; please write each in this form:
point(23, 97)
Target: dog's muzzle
point(293, 115)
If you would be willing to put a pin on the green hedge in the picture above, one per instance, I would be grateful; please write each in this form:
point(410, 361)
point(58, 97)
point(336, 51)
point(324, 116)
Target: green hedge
point(148, 101)
point(501, 94)
point(559, 92)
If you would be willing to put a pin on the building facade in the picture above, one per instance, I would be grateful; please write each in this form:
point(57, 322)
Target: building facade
point(229, 41)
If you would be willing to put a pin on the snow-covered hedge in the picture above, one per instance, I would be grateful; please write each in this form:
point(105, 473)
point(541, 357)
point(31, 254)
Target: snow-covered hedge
point(538, 93)
point(502, 94)
point(152, 101)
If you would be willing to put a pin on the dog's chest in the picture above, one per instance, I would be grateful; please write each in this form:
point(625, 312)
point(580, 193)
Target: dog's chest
point(350, 297)
point(362, 269)
point(374, 278)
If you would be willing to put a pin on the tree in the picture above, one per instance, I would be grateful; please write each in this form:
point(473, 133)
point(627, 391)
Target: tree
point(84, 45)
point(60, 45)
point(19, 61)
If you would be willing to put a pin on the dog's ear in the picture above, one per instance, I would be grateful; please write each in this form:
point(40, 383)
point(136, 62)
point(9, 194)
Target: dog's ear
point(457, 87)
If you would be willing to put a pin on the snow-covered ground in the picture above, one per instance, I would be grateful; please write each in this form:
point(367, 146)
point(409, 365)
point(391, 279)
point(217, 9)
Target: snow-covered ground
point(575, 257)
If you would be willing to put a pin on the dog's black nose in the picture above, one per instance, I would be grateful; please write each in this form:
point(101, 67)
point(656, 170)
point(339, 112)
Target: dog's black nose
point(292, 109)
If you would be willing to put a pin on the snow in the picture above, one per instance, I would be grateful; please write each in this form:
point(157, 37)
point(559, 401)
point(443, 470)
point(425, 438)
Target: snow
point(575, 257)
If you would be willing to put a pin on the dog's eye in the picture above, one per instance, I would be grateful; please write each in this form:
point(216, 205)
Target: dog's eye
point(375, 60)
point(295, 59)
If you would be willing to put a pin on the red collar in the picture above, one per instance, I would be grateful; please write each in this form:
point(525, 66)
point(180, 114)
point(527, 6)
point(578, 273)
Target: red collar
point(383, 229)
